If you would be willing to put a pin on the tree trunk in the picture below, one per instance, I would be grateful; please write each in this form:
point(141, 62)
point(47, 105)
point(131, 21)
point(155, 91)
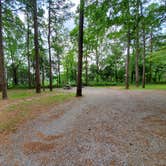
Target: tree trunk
point(49, 46)
point(67, 75)
point(2, 66)
point(15, 78)
point(97, 65)
point(116, 72)
point(128, 49)
point(28, 54)
point(59, 72)
point(132, 77)
point(86, 70)
point(128, 58)
point(80, 51)
point(144, 44)
point(43, 77)
point(151, 50)
point(137, 47)
point(37, 59)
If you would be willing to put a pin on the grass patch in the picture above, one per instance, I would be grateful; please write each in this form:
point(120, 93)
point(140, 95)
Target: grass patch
point(14, 114)
point(23, 93)
point(147, 87)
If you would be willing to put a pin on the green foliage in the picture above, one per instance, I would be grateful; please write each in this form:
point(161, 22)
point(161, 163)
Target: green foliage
point(158, 57)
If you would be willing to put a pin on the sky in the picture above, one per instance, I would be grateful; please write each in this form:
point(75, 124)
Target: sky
point(70, 23)
point(75, 2)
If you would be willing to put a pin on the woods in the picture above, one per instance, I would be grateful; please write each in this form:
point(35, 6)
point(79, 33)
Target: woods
point(43, 44)
point(82, 82)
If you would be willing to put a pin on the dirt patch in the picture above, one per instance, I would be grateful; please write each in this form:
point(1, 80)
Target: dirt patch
point(56, 116)
point(48, 137)
point(4, 138)
point(112, 163)
point(37, 147)
point(154, 120)
point(89, 162)
point(160, 156)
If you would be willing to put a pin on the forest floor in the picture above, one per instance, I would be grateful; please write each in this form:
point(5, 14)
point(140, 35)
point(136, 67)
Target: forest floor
point(105, 127)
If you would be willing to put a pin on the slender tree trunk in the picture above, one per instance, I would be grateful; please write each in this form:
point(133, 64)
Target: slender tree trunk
point(2, 66)
point(80, 45)
point(132, 77)
point(37, 59)
point(144, 44)
point(128, 58)
point(28, 54)
point(43, 76)
point(155, 77)
point(86, 70)
point(49, 46)
point(59, 72)
point(137, 47)
point(15, 78)
point(97, 64)
point(151, 50)
point(116, 72)
point(128, 50)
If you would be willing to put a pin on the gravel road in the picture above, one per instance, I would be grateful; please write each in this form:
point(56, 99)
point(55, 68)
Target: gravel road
point(105, 127)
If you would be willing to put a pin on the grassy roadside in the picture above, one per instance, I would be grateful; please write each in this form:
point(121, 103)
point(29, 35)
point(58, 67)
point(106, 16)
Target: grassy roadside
point(147, 87)
point(27, 106)
point(133, 87)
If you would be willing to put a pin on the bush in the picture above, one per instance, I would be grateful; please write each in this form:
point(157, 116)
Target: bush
point(102, 83)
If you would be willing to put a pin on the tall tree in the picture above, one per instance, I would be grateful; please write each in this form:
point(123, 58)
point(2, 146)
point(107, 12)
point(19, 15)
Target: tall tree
point(49, 45)
point(137, 44)
point(27, 45)
point(128, 46)
point(144, 42)
point(36, 43)
point(2, 67)
point(80, 49)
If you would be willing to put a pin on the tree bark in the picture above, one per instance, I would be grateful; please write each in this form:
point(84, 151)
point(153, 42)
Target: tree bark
point(97, 65)
point(2, 66)
point(59, 72)
point(15, 78)
point(128, 49)
point(49, 46)
point(37, 59)
point(28, 54)
point(80, 51)
point(151, 50)
point(144, 45)
point(128, 58)
point(116, 72)
point(137, 47)
point(86, 70)
point(43, 76)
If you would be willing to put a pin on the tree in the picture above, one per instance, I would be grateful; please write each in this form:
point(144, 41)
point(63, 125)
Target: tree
point(49, 45)
point(128, 46)
point(28, 46)
point(80, 49)
point(144, 46)
point(137, 44)
point(37, 63)
point(3, 85)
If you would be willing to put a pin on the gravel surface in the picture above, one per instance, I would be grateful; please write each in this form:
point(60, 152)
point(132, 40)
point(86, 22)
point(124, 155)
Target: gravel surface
point(103, 128)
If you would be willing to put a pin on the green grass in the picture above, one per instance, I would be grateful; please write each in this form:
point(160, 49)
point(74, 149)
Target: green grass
point(147, 87)
point(21, 110)
point(20, 94)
